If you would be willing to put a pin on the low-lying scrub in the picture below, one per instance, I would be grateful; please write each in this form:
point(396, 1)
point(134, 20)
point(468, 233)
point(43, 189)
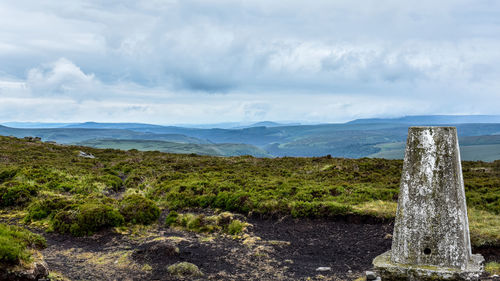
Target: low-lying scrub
point(87, 218)
point(16, 242)
point(14, 193)
point(46, 180)
point(47, 207)
point(223, 222)
point(139, 210)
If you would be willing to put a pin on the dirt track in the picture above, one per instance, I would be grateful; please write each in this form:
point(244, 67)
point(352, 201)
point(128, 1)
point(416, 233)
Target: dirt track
point(273, 250)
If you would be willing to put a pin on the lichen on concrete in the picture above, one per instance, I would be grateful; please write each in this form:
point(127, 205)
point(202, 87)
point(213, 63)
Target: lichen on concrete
point(431, 228)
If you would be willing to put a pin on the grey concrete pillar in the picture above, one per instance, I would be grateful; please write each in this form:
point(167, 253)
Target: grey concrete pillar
point(431, 226)
point(431, 230)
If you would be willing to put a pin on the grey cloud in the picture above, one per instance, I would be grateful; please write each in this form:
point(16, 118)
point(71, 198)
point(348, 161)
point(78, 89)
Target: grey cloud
point(386, 49)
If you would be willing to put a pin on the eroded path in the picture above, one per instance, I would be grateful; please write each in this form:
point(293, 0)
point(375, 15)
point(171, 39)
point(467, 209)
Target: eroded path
point(272, 250)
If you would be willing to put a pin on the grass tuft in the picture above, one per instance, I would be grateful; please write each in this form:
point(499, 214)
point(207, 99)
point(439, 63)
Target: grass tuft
point(184, 269)
point(16, 242)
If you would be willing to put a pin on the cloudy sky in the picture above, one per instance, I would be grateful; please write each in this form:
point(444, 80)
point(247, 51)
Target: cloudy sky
point(207, 61)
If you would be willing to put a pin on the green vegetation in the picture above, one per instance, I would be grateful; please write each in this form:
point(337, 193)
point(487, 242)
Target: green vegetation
point(492, 268)
point(87, 218)
point(75, 194)
point(184, 269)
point(139, 210)
point(223, 222)
point(16, 242)
point(14, 193)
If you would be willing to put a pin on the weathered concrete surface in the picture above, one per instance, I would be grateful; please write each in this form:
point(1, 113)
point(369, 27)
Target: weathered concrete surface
point(399, 272)
point(431, 231)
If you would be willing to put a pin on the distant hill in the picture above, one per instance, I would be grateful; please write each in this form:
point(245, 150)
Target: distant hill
point(222, 149)
point(95, 125)
point(356, 139)
point(267, 124)
point(74, 135)
point(432, 119)
point(34, 125)
point(472, 148)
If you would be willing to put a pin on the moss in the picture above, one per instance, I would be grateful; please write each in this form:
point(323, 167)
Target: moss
point(139, 210)
point(184, 269)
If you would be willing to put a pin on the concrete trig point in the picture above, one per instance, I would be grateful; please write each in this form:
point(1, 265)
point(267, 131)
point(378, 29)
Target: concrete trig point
point(431, 231)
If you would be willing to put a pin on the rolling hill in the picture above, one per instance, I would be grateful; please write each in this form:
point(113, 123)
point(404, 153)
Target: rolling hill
point(219, 149)
point(359, 138)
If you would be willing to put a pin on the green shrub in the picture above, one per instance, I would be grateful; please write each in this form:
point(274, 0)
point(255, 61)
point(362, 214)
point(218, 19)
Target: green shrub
point(235, 227)
point(14, 244)
point(171, 218)
point(113, 182)
point(139, 210)
point(86, 219)
point(7, 174)
point(47, 207)
point(16, 194)
point(223, 222)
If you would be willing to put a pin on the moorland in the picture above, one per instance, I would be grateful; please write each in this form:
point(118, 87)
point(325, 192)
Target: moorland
point(112, 214)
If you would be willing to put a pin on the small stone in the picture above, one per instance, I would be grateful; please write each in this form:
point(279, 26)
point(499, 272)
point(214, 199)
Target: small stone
point(85, 155)
point(323, 268)
point(378, 279)
point(370, 275)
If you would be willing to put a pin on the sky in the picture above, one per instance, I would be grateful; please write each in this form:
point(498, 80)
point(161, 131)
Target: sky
point(210, 61)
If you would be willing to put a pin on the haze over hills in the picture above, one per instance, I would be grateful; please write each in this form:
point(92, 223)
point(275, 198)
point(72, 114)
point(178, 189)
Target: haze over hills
point(359, 138)
point(432, 119)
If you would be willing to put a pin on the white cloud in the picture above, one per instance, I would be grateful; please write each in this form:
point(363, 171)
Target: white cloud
point(61, 77)
point(246, 59)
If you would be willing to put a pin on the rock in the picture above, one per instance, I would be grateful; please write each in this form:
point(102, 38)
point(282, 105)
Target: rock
point(323, 268)
point(85, 155)
point(370, 275)
point(155, 250)
point(37, 270)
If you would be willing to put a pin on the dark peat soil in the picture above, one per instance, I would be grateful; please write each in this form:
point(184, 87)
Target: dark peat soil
point(286, 249)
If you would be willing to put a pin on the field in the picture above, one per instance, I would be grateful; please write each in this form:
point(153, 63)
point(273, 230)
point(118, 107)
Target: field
point(202, 207)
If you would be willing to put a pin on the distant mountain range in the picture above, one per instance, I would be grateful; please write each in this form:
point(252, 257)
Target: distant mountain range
point(432, 119)
point(479, 137)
